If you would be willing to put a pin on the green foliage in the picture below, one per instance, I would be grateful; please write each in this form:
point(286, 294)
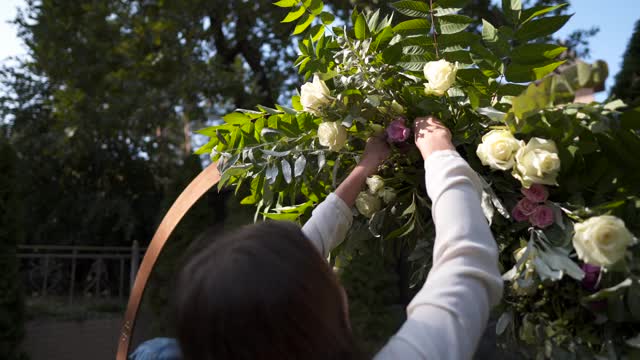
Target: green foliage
point(11, 298)
point(627, 86)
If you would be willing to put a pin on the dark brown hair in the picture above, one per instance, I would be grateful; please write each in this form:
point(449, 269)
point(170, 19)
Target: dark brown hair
point(263, 292)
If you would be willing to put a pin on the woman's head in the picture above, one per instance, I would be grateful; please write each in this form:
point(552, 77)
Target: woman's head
point(261, 292)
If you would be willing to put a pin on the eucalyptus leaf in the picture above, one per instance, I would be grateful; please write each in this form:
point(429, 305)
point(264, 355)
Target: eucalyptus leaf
point(299, 165)
point(286, 170)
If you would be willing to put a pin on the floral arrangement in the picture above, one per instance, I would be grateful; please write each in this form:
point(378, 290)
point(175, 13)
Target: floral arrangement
point(561, 184)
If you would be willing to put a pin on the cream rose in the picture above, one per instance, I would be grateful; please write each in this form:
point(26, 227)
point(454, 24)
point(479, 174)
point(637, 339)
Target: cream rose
point(367, 204)
point(537, 163)
point(498, 149)
point(375, 183)
point(440, 75)
point(314, 95)
point(332, 135)
point(601, 240)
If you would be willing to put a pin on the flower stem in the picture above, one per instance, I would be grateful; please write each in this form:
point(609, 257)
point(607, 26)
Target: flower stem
point(435, 32)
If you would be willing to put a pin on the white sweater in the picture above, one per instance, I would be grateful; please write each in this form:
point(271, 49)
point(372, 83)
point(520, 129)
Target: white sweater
point(447, 317)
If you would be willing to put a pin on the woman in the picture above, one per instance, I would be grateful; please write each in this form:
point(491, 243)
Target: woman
point(266, 292)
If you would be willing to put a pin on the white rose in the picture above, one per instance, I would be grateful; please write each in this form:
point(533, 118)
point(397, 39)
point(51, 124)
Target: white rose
point(314, 95)
point(601, 240)
point(440, 75)
point(498, 149)
point(367, 204)
point(333, 135)
point(387, 194)
point(537, 163)
point(375, 183)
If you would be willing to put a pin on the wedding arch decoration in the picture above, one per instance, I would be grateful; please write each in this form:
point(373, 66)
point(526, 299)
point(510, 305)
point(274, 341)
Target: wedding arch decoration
point(561, 180)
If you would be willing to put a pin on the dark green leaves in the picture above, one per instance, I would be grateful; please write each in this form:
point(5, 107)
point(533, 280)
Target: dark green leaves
point(536, 11)
point(413, 27)
point(541, 27)
point(412, 8)
point(535, 53)
point(530, 72)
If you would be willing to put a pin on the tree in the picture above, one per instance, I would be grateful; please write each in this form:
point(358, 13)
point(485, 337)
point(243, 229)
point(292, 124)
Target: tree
point(11, 300)
point(627, 85)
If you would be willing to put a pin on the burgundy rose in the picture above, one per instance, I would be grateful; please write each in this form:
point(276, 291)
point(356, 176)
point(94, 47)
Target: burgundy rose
point(542, 217)
point(591, 277)
point(397, 131)
point(537, 193)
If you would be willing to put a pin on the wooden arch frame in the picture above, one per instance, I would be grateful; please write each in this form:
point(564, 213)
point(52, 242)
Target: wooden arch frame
point(194, 191)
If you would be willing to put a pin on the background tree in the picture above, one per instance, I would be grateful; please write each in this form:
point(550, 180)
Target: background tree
point(11, 304)
point(627, 85)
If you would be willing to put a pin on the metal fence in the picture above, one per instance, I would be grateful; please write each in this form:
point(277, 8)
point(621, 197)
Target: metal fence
point(53, 270)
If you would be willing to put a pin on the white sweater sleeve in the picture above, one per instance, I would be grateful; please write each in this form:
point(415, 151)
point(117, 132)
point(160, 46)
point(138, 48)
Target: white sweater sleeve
point(328, 224)
point(448, 316)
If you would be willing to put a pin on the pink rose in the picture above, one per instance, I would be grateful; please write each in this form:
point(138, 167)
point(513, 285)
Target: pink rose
point(542, 217)
point(397, 132)
point(537, 193)
point(518, 215)
point(527, 206)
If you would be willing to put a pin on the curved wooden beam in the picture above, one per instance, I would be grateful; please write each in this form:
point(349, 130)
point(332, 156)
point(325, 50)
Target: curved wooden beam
point(194, 191)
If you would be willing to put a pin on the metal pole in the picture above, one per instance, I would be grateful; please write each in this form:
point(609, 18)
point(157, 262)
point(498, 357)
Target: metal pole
point(135, 262)
point(46, 275)
point(121, 287)
point(73, 276)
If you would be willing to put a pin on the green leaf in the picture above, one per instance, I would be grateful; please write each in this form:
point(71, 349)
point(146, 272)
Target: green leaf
point(294, 15)
point(448, 4)
point(451, 24)
point(413, 27)
point(235, 118)
point(530, 72)
point(282, 217)
point(382, 39)
point(536, 53)
point(512, 10)
point(327, 18)
point(360, 27)
point(392, 54)
point(286, 3)
point(534, 12)
point(462, 39)
point(315, 7)
point(541, 27)
point(303, 24)
point(411, 8)
point(494, 38)
point(536, 97)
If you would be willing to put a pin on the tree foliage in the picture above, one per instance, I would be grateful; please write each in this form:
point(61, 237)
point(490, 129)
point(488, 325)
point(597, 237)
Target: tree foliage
point(11, 300)
point(627, 85)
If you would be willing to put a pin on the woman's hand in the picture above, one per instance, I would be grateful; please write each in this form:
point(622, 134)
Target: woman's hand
point(375, 153)
point(431, 135)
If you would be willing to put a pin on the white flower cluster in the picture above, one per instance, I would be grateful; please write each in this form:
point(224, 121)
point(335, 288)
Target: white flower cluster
point(368, 202)
point(537, 162)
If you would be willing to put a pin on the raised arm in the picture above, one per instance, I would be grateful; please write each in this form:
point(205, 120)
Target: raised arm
point(332, 219)
point(449, 314)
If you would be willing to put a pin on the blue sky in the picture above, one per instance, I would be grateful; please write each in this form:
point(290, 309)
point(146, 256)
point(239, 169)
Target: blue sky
point(616, 19)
